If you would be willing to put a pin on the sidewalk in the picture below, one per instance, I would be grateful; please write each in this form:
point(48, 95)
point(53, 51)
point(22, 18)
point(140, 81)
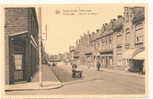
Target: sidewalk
point(122, 72)
point(113, 70)
point(49, 81)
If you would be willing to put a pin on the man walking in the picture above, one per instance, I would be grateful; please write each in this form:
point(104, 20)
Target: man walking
point(98, 65)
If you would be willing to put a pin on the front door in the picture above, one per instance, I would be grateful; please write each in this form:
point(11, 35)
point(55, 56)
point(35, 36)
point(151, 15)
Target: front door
point(19, 70)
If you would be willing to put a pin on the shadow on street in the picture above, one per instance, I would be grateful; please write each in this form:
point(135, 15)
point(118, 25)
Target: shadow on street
point(63, 75)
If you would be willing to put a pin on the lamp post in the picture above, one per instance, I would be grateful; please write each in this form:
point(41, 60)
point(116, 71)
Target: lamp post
point(40, 52)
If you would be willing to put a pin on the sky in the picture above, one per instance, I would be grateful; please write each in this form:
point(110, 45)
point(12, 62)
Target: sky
point(63, 30)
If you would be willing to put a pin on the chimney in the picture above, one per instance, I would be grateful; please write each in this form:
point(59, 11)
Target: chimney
point(97, 30)
point(106, 24)
point(114, 20)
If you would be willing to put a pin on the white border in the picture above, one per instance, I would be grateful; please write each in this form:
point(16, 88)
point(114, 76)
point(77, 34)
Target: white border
point(150, 25)
point(69, 1)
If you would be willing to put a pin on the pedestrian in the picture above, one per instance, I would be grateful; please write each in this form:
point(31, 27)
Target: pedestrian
point(54, 64)
point(74, 67)
point(141, 67)
point(98, 65)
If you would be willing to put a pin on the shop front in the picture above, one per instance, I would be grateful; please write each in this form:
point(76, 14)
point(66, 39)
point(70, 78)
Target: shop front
point(106, 58)
point(135, 59)
point(89, 59)
point(23, 59)
point(127, 58)
point(139, 62)
point(17, 58)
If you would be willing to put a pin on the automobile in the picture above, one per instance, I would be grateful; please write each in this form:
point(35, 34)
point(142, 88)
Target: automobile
point(76, 72)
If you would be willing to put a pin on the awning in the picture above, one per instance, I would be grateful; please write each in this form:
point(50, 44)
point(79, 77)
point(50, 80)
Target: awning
point(76, 57)
point(106, 52)
point(140, 56)
point(88, 53)
point(128, 54)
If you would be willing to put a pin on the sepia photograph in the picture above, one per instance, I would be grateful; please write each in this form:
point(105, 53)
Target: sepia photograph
point(66, 50)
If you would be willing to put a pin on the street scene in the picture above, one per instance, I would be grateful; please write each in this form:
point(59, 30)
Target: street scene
point(75, 50)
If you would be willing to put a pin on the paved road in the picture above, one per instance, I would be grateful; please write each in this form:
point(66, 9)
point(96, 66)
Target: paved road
point(93, 82)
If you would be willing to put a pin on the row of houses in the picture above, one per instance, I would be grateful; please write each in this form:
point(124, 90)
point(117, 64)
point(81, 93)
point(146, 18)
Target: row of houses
point(117, 44)
point(21, 44)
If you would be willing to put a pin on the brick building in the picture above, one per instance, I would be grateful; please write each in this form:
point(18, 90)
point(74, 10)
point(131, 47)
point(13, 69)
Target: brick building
point(21, 44)
point(106, 43)
point(119, 40)
point(136, 19)
point(119, 43)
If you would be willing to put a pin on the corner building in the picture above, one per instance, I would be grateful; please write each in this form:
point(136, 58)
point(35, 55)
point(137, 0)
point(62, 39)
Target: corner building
point(21, 44)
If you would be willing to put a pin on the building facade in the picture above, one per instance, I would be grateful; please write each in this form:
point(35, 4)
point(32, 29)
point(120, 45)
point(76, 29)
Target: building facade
point(118, 43)
point(21, 44)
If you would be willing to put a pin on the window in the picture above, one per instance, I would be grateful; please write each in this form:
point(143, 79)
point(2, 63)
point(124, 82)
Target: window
point(119, 39)
point(140, 39)
point(18, 61)
point(102, 43)
point(127, 30)
point(119, 34)
point(127, 46)
point(137, 39)
point(106, 41)
point(119, 50)
point(119, 46)
point(110, 40)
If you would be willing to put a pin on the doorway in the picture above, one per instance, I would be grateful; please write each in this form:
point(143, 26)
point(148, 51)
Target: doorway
point(19, 70)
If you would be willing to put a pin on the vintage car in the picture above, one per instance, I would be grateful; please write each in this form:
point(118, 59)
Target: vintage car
point(76, 72)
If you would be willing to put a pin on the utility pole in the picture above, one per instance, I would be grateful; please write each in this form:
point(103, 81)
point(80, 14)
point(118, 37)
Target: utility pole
point(40, 52)
point(44, 42)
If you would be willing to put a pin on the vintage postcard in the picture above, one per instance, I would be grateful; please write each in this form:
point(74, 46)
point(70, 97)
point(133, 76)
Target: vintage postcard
point(74, 50)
